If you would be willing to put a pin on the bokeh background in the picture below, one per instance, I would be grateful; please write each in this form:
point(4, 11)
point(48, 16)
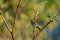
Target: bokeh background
point(23, 29)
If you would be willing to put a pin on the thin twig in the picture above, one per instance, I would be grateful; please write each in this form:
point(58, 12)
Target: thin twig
point(33, 33)
point(16, 13)
point(7, 26)
point(47, 24)
point(12, 34)
point(36, 14)
point(43, 28)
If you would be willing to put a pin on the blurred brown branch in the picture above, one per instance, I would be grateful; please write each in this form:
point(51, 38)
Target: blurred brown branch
point(36, 13)
point(12, 33)
point(7, 26)
point(16, 12)
point(37, 34)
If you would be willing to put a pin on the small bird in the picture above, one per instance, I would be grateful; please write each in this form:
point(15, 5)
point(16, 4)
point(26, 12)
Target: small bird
point(34, 24)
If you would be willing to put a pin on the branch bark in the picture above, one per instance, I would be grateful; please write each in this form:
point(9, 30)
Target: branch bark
point(47, 24)
point(43, 28)
point(12, 33)
point(33, 33)
point(7, 26)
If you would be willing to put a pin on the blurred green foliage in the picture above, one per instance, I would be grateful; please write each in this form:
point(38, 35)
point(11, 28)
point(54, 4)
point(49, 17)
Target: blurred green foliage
point(27, 11)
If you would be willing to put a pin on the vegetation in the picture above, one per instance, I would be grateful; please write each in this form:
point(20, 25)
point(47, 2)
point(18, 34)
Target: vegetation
point(29, 19)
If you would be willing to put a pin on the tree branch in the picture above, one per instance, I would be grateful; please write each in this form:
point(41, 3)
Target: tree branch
point(47, 24)
point(33, 33)
point(43, 28)
point(12, 34)
point(7, 26)
point(16, 12)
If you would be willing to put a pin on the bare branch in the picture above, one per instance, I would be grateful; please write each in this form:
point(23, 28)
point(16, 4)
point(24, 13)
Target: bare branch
point(47, 24)
point(7, 26)
point(16, 13)
point(36, 14)
point(35, 25)
point(43, 28)
point(33, 33)
point(12, 34)
point(40, 30)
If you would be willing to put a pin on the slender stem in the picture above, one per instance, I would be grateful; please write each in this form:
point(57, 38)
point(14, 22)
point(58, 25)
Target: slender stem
point(37, 34)
point(38, 28)
point(12, 36)
point(33, 33)
point(16, 12)
point(7, 26)
point(12, 33)
point(36, 13)
point(47, 24)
